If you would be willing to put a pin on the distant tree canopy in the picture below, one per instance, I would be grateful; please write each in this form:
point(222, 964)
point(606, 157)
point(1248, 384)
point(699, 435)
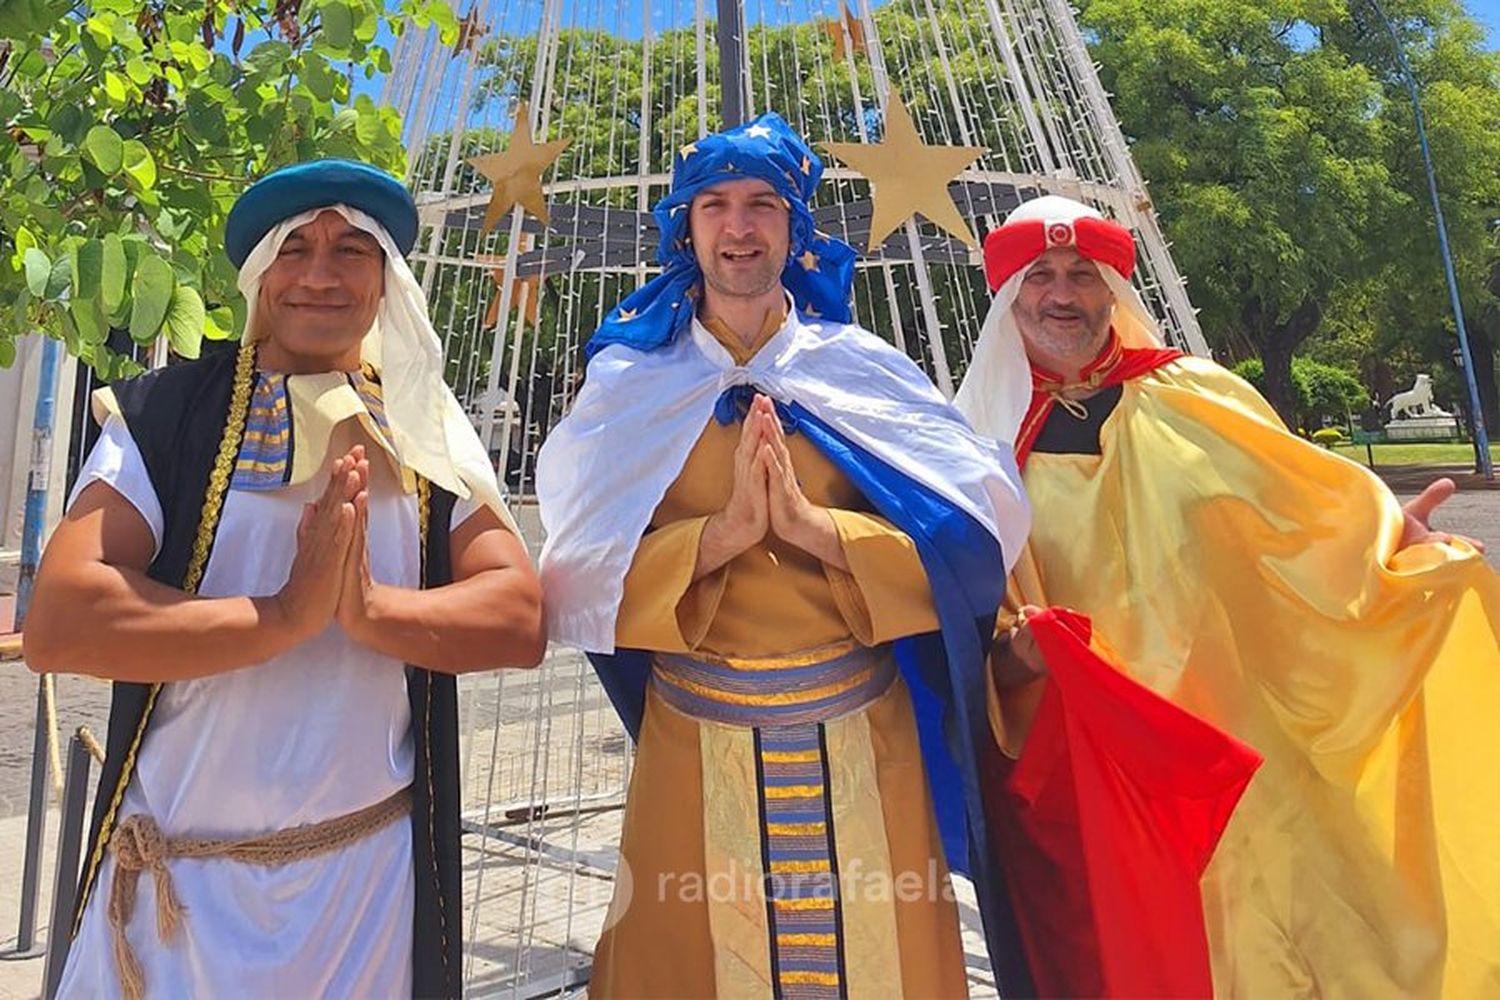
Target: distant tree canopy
point(126, 132)
point(1280, 143)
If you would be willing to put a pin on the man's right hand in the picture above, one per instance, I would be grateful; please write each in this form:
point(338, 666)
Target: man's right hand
point(310, 597)
point(1016, 659)
point(746, 517)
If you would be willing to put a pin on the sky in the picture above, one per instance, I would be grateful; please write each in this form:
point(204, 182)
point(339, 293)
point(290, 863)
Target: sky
point(1488, 13)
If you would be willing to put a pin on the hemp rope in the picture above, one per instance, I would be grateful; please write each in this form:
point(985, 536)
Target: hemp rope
point(139, 845)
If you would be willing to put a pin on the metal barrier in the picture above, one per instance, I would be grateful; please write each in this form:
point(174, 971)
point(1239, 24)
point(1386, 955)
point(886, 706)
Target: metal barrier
point(69, 854)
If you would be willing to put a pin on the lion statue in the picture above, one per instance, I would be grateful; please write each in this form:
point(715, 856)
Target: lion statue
point(1416, 401)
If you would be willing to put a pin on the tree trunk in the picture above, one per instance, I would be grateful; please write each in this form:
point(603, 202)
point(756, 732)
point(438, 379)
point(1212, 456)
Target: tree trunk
point(1482, 347)
point(1277, 342)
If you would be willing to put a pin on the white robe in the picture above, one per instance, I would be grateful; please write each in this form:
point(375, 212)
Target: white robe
point(322, 730)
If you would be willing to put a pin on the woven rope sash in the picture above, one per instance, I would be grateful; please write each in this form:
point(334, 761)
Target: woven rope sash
point(139, 846)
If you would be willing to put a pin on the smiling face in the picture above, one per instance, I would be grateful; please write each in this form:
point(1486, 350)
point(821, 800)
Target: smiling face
point(319, 297)
point(741, 233)
point(1064, 310)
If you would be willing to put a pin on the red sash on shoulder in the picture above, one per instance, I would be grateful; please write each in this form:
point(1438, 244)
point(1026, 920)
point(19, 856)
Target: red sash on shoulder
point(1116, 364)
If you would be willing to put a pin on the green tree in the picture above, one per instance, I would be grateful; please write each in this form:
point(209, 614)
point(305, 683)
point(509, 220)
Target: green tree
point(1280, 143)
point(1325, 394)
point(128, 129)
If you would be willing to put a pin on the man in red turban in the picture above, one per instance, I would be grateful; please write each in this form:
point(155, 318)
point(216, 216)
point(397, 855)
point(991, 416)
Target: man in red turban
point(1271, 589)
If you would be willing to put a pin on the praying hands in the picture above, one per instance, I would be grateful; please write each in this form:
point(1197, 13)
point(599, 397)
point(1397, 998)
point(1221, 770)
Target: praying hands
point(766, 497)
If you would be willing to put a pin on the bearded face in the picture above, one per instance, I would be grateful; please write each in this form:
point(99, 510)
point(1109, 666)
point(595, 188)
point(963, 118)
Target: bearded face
point(1065, 307)
point(741, 233)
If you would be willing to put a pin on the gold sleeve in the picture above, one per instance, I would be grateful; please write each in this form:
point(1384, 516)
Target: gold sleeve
point(884, 595)
point(663, 608)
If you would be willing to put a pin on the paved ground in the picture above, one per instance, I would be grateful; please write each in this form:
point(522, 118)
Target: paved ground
point(538, 882)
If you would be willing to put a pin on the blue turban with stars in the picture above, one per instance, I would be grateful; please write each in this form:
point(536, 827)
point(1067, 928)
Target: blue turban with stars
point(819, 270)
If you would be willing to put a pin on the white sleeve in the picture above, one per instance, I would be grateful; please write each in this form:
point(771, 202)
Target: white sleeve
point(117, 462)
point(463, 510)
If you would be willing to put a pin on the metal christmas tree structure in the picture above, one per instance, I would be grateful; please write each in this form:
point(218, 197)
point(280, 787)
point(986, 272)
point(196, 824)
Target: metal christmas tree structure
point(539, 142)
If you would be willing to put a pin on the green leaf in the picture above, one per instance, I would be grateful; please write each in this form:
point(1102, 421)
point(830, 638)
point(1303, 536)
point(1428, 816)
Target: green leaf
point(114, 87)
point(268, 57)
point(139, 166)
point(219, 324)
point(7, 352)
point(67, 121)
point(150, 297)
point(338, 25)
point(60, 279)
point(24, 241)
point(89, 320)
point(88, 269)
point(319, 81)
point(38, 270)
point(185, 322)
point(113, 270)
point(139, 71)
point(205, 117)
point(104, 148)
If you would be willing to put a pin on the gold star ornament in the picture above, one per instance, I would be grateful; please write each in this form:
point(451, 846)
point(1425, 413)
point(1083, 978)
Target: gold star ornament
point(907, 176)
point(516, 172)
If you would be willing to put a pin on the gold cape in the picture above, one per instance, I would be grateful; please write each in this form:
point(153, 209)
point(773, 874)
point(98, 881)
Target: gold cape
point(1253, 578)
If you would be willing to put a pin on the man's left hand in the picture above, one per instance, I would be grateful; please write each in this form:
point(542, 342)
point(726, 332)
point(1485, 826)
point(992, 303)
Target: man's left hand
point(1418, 515)
point(794, 518)
point(357, 594)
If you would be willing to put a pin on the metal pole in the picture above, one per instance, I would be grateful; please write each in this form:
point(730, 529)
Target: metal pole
point(69, 850)
point(731, 35)
point(31, 553)
point(1476, 406)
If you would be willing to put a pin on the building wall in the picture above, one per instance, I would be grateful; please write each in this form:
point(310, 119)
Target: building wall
point(18, 390)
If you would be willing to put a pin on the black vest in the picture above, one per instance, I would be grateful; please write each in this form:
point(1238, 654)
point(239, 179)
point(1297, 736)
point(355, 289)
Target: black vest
point(176, 417)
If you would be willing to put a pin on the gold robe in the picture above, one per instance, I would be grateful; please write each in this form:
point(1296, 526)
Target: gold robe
point(690, 812)
point(1254, 579)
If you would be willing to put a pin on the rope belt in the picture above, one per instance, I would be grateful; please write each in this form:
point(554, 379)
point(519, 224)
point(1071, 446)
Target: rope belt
point(139, 846)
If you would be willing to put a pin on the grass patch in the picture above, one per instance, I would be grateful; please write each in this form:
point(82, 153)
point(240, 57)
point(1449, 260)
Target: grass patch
point(1455, 453)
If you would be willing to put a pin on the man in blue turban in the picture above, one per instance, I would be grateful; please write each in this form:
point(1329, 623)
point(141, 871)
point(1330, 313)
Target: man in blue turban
point(783, 550)
point(281, 556)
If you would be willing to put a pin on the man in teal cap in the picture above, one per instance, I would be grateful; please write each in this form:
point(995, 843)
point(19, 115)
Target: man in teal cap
point(282, 557)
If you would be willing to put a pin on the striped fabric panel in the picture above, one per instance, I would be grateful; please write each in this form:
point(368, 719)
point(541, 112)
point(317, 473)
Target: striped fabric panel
point(265, 458)
point(370, 393)
point(758, 695)
point(797, 852)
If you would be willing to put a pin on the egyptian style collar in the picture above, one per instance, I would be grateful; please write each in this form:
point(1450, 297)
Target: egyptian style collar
point(291, 422)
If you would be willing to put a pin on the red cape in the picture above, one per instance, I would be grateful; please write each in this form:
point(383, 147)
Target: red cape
point(1106, 823)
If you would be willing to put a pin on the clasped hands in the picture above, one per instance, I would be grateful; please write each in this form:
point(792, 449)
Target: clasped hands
point(330, 576)
point(766, 497)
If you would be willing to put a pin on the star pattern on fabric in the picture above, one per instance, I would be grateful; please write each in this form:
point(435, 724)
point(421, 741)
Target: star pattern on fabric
point(758, 132)
point(516, 172)
point(809, 261)
point(688, 150)
point(807, 166)
point(907, 176)
point(810, 310)
point(626, 315)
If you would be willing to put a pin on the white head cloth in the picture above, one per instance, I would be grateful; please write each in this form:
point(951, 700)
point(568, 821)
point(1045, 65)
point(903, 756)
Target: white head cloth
point(429, 431)
point(996, 390)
